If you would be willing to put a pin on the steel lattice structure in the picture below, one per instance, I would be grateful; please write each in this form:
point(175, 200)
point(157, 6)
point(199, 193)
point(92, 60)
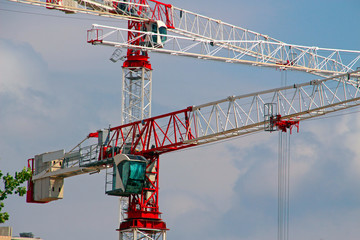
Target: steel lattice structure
point(127, 10)
point(136, 97)
point(197, 125)
point(238, 115)
point(215, 121)
point(237, 47)
point(201, 37)
point(137, 234)
point(245, 45)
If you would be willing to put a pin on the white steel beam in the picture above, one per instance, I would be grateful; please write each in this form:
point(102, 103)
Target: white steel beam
point(199, 36)
point(238, 115)
point(92, 7)
point(248, 50)
point(244, 114)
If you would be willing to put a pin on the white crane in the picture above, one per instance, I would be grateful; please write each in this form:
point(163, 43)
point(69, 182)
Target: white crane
point(192, 35)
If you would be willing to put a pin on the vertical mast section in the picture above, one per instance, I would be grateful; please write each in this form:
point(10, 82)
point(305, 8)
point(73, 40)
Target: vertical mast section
point(137, 77)
point(136, 94)
point(143, 213)
point(142, 217)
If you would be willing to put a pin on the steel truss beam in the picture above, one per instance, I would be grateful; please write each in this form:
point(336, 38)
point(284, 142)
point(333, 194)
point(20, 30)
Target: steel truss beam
point(227, 118)
point(246, 48)
point(123, 10)
point(207, 38)
point(259, 47)
point(240, 115)
point(237, 115)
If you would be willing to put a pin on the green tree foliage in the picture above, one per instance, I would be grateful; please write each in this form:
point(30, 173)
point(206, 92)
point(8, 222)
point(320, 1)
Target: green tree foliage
point(12, 185)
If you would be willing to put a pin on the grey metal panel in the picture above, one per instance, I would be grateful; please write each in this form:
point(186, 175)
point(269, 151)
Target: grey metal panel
point(50, 156)
point(103, 134)
point(48, 189)
point(73, 156)
point(38, 190)
point(40, 165)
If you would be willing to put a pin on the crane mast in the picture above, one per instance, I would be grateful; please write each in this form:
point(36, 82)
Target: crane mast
point(137, 70)
point(137, 78)
point(142, 210)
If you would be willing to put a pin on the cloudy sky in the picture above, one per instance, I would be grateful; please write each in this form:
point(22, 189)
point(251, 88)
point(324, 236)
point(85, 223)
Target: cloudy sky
point(55, 89)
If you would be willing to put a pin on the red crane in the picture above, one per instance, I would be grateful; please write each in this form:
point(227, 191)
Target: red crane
point(131, 151)
point(119, 148)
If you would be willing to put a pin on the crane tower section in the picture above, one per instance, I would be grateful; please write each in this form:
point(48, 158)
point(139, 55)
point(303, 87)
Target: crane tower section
point(137, 70)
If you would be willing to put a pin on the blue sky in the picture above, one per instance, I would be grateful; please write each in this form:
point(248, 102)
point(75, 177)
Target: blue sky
point(55, 89)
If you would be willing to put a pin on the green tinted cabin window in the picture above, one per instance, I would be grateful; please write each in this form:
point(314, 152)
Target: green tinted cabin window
point(124, 170)
point(133, 176)
point(154, 28)
point(137, 170)
point(136, 177)
point(162, 30)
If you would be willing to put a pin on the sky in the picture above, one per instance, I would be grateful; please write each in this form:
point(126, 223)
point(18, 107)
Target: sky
point(55, 89)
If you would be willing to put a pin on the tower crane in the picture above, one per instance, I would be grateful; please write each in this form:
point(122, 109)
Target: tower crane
point(130, 152)
point(192, 35)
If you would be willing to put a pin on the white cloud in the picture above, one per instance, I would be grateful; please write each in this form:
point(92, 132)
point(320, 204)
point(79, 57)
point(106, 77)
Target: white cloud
point(303, 157)
point(351, 139)
point(22, 91)
point(21, 69)
point(340, 132)
point(330, 225)
point(179, 203)
point(207, 174)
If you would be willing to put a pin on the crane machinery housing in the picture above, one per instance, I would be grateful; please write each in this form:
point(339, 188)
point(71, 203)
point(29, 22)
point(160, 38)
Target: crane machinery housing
point(130, 152)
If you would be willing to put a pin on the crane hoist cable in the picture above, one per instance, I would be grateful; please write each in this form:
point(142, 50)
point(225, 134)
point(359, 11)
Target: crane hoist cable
point(283, 173)
point(283, 185)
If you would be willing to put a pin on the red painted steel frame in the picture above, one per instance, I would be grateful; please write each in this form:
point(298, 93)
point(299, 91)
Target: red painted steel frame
point(150, 139)
point(154, 140)
point(162, 12)
point(283, 125)
point(143, 209)
point(30, 187)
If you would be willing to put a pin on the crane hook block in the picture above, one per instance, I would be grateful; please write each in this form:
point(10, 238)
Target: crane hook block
point(128, 175)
